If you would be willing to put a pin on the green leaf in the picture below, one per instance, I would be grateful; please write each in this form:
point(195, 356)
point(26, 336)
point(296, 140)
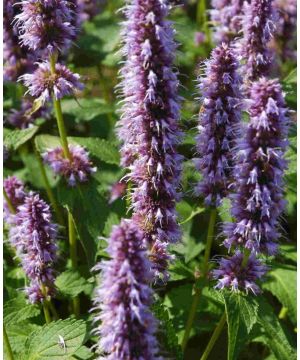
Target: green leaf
point(282, 283)
point(274, 333)
point(17, 310)
point(18, 334)
point(100, 148)
point(241, 313)
point(44, 343)
point(13, 139)
point(83, 353)
point(289, 252)
point(71, 283)
point(86, 202)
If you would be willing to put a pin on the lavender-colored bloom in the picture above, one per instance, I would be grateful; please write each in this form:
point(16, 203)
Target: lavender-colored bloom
point(231, 274)
point(42, 83)
point(77, 170)
point(117, 190)
point(219, 119)
point(15, 191)
point(199, 38)
point(89, 8)
point(46, 25)
point(149, 124)
point(258, 200)
point(22, 118)
point(286, 28)
point(227, 18)
point(258, 28)
point(17, 60)
point(127, 329)
point(34, 238)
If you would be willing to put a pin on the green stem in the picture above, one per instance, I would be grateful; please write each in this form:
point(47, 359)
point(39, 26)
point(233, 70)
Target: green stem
point(46, 312)
point(247, 253)
point(53, 310)
point(202, 19)
point(73, 255)
point(9, 203)
point(9, 353)
point(59, 115)
point(198, 289)
point(214, 337)
point(49, 191)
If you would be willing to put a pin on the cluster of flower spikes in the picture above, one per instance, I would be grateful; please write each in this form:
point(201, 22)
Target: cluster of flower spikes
point(33, 236)
point(149, 125)
point(258, 199)
point(17, 60)
point(227, 17)
point(286, 28)
point(219, 121)
point(258, 29)
point(127, 327)
point(75, 170)
point(23, 118)
point(14, 189)
point(49, 26)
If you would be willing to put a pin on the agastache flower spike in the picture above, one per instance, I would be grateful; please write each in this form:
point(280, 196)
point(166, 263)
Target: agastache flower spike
point(236, 276)
point(258, 199)
point(258, 28)
point(34, 238)
point(17, 60)
point(219, 120)
point(149, 124)
point(227, 18)
point(15, 191)
point(42, 83)
point(77, 170)
point(127, 328)
point(286, 35)
point(46, 25)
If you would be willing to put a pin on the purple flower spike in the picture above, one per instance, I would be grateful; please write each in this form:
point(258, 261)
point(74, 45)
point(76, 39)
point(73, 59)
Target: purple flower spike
point(259, 201)
point(21, 118)
point(46, 25)
point(77, 170)
point(42, 83)
point(219, 119)
point(149, 124)
point(258, 27)
point(127, 329)
point(15, 191)
point(286, 35)
point(17, 60)
point(34, 238)
point(232, 275)
point(227, 18)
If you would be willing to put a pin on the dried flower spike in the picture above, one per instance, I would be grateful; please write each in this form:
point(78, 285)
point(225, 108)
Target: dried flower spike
point(219, 120)
point(77, 170)
point(127, 328)
point(258, 200)
point(149, 124)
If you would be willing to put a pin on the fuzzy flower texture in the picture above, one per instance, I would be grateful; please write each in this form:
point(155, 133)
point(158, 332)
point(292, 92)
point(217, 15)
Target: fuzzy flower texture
point(43, 83)
point(14, 189)
point(149, 124)
point(259, 201)
point(46, 25)
point(78, 169)
point(258, 27)
point(219, 120)
point(127, 327)
point(34, 237)
point(235, 275)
